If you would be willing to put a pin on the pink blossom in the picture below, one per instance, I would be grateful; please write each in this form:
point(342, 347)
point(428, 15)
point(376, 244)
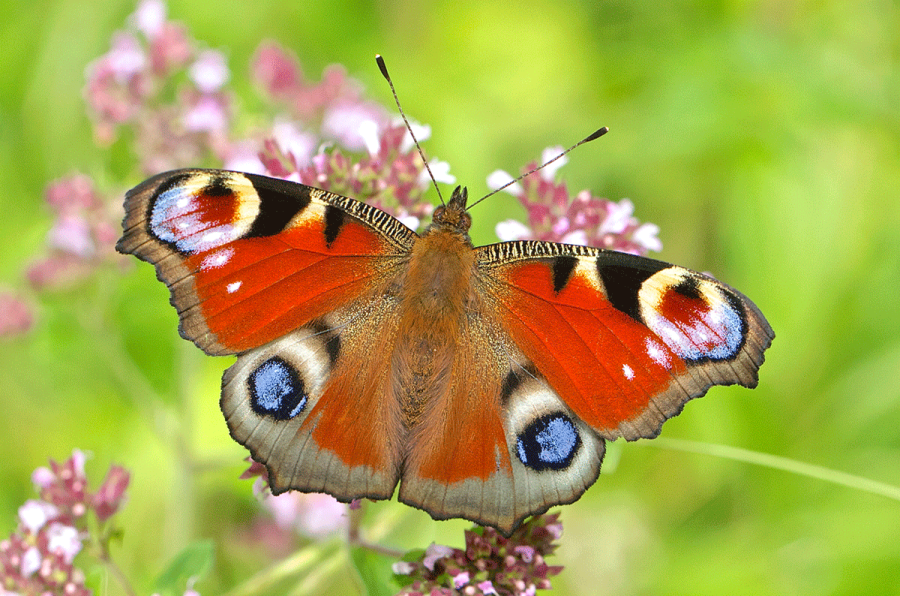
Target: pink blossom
point(72, 234)
point(461, 579)
point(31, 561)
point(207, 114)
point(555, 216)
point(16, 317)
point(111, 493)
point(126, 58)
point(312, 514)
point(276, 71)
point(433, 553)
point(344, 120)
point(403, 567)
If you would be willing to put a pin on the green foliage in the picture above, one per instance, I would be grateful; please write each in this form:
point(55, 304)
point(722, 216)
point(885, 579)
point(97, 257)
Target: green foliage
point(188, 567)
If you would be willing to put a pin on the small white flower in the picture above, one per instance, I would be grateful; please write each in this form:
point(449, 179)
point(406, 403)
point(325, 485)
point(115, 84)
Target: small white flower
point(368, 131)
point(645, 235)
point(243, 156)
point(461, 579)
point(578, 237)
point(207, 115)
point(410, 221)
point(31, 561)
point(150, 16)
point(403, 568)
point(549, 171)
point(125, 58)
point(499, 178)
point(34, 514)
point(511, 229)
point(435, 552)
point(441, 172)
point(342, 122)
point(422, 132)
point(63, 540)
point(209, 71)
point(618, 217)
point(291, 139)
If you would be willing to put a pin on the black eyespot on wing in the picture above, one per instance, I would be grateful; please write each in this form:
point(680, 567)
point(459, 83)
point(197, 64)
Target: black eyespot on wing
point(277, 390)
point(548, 443)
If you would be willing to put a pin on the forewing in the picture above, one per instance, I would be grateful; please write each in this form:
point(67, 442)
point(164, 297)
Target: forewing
point(249, 259)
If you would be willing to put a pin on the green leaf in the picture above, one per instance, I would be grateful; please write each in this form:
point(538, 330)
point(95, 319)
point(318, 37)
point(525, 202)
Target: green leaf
point(374, 571)
point(191, 564)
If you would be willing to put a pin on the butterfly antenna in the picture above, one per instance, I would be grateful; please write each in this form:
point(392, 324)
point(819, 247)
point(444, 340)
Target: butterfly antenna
point(384, 73)
point(595, 135)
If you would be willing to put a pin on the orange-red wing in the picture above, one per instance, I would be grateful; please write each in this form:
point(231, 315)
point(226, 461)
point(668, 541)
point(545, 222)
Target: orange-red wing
point(249, 258)
point(623, 340)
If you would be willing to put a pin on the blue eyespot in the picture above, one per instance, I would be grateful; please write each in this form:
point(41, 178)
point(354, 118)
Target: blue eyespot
point(548, 443)
point(276, 390)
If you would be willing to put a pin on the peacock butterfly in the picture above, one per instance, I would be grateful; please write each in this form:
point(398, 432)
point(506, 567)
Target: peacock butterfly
point(484, 380)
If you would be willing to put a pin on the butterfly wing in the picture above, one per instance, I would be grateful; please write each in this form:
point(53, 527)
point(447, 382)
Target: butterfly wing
point(287, 276)
point(584, 345)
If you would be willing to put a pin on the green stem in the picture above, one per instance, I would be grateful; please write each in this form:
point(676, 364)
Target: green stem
point(305, 558)
point(779, 463)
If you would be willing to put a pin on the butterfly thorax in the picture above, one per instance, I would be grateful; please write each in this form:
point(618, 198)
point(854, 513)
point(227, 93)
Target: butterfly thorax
point(433, 305)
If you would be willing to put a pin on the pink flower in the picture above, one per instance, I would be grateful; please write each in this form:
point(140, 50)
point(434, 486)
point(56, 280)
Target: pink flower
point(434, 553)
point(276, 71)
point(313, 514)
point(344, 120)
point(208, 113)
point(555, 216)
point(16, 317)
point(500, 565)
point(110, 495)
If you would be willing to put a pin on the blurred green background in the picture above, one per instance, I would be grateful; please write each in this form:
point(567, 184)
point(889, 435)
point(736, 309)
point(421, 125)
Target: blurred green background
point(762, 137)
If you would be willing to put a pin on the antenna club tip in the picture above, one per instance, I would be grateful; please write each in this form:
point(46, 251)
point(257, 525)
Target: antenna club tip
point(381, 66)
point(597, 134)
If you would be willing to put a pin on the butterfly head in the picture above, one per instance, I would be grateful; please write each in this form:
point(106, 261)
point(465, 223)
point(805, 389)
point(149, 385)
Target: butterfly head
point(453, 216)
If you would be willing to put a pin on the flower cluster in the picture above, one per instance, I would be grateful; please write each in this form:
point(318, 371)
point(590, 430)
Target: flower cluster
point(82, 237)
point(489, 565)
point(314, 515)
point(38, 557)
point(554, 216)
point(389, 174)
point(139, 84)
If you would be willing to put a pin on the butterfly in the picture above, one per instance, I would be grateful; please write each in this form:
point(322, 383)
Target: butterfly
point(484, 380)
